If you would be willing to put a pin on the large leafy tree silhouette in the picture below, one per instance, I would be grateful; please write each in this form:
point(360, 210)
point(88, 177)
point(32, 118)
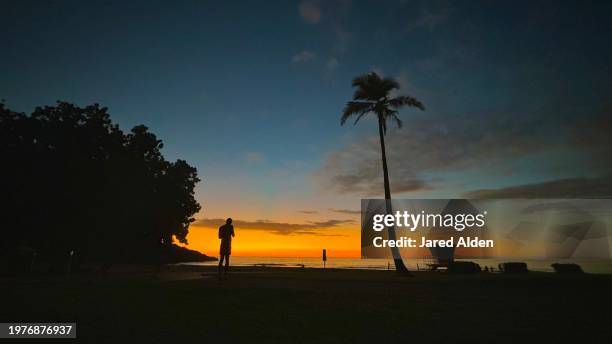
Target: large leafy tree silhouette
point(74, 182)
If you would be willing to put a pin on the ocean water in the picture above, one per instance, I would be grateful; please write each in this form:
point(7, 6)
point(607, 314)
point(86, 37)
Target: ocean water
point(599, 266)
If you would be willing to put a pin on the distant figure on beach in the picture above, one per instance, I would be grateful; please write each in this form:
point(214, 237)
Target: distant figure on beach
point(226, 233)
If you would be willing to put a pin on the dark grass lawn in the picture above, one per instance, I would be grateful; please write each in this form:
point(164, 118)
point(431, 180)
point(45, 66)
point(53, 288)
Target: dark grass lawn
point(303, 305)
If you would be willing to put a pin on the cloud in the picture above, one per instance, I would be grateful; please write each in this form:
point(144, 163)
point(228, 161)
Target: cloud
point(402, 79)
point(345, 211)
point(342, 37)
point(432, 152)
point(341, 41)
point(423, 145)
point(309, 212)
point(310, 12)
point(331, 64)
point(280, 228)
point(334, 26)
point(562, 188)
point(254, 157)
point(431, 16)
point(304, 56)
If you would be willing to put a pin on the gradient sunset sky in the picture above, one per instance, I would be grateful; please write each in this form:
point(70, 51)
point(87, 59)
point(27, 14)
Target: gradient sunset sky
point(517, 95)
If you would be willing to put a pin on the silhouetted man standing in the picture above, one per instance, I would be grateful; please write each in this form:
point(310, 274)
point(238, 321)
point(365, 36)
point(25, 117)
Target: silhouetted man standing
point(226, 233)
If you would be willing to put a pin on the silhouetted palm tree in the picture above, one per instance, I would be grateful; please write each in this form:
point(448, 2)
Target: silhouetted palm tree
point(373, 96)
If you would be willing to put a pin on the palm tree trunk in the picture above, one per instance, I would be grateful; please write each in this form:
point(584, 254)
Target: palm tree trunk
point(397, 257)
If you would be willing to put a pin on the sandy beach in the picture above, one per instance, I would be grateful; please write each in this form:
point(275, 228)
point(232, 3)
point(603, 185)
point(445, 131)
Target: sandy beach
point(271, 304)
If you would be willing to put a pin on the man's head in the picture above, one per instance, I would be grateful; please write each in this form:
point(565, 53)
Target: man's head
point(228, 221)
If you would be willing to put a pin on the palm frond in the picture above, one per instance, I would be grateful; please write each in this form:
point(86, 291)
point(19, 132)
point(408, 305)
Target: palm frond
point(389, 114)
point(398, 122)
point(362, 93)
point(359, 117)
point(361, 80)
point(388, 84)
point(353, 108)
point(401, 101)
point(372, 87)
point(372, 96)
point(384, 125)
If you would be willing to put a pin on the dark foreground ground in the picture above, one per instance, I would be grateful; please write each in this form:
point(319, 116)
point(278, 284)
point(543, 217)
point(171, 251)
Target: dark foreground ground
point(304, 305)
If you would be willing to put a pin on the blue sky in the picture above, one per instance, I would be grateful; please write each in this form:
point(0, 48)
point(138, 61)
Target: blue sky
point(251, 92)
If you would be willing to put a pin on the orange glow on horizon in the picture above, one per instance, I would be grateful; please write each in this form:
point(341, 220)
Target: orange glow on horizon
point(341, 242)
